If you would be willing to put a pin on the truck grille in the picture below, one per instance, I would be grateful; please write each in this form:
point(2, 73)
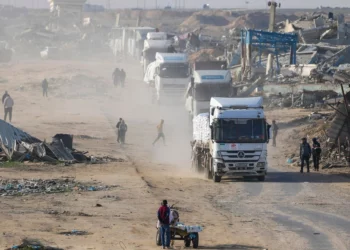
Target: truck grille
point(241, 156)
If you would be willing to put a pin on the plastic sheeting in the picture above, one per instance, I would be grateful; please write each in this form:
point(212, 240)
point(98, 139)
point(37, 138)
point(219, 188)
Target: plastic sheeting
point(201, 129)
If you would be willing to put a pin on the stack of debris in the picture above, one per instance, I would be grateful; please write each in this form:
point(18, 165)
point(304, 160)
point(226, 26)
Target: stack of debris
point(16, 145)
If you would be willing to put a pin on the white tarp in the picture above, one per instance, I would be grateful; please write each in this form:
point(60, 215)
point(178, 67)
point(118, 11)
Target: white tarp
point(201, 129)
point(150, 73)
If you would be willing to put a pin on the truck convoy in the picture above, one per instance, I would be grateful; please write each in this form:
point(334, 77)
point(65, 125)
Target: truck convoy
point(155, 42)
point(231, 140)
point(209, 79)
point(168, 75)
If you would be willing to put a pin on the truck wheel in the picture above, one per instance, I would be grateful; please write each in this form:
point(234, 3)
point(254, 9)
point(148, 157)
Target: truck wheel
point(187, 242)
point(195, 241)
point(216, 178)
point(208, 174)
point(158, 240)
point(261, 178)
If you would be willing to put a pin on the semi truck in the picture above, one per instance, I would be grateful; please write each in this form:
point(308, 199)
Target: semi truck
point(231, 140)
point(210, 78)
point(155, 42)
point(168, 76)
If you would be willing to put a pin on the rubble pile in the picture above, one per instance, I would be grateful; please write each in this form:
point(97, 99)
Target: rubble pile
point(21, 187)
point(16, 145)
point(205, 55)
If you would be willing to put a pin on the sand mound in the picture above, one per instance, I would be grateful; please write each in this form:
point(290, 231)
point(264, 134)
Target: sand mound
point(206, 18)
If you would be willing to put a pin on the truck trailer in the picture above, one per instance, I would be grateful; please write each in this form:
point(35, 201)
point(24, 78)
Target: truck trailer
point(168, 76)
point(211, 78)
point(231, 140)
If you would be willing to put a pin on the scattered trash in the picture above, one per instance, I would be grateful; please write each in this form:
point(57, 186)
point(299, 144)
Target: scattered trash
point(75, 232)
point(30, 244)
point(98, 205)
point(19, 187)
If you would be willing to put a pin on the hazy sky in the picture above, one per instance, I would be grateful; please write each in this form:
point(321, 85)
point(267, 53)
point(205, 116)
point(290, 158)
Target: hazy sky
point(195, 3)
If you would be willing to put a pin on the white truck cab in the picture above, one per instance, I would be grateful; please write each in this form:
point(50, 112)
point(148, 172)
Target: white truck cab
point(169, 74)
point(205, 83)
point(238, 139)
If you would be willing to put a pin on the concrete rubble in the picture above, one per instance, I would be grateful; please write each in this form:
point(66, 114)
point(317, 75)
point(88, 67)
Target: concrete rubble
point(16, 145)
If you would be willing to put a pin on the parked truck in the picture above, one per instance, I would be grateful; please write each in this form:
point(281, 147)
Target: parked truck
point(155, 42)
point(231, 140)
point(209, 79)
point(168, 76)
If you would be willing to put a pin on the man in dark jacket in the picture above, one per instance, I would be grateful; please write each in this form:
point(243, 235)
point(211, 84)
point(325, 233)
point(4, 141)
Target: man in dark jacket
point(316, 153)
point(118, 130)
point(164, 219)
point(274, 128)
point(4, 96)
point(116, 77)
point(305, 153)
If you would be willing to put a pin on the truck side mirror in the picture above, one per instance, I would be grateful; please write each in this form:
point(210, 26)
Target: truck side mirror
point(192, 82)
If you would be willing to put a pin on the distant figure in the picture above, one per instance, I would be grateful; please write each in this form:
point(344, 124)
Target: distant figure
point(122, 77)
point(8, 105)
point(4, 96)
point(316, 154)
point(45, 86)
point(116, 76)
point(171, 49)
point(160, 132)
point(122, 130)
point(305, 153)
point(274, 128)
point(118, 131)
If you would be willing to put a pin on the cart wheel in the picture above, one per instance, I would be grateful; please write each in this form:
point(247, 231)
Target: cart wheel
point(187, 242)
point(158, 240)
point(195, 241)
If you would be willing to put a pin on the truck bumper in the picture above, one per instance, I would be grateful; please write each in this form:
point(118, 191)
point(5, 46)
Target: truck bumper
point(229, 169)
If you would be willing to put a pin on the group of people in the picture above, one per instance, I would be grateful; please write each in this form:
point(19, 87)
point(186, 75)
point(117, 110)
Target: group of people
point(119, 77)
point(122, 128)
point(306, 151)
point(8, 103)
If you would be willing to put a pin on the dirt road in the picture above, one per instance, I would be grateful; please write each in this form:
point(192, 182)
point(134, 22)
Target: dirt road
point(287, 211)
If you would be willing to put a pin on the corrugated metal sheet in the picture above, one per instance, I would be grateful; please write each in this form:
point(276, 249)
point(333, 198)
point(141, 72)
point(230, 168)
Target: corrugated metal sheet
point(10, 136)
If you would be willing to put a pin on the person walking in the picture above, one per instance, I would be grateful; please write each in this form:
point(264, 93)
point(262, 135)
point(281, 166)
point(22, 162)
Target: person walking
point(123, 128)
point(274, 128)
point(305, 153)
point(45, 86)
point(116, 77)
point(316, 154)
point(122, 77)
point(164, 220)
point(6, 94)
point(8, 105)
point(160, 132)
point(118, 131)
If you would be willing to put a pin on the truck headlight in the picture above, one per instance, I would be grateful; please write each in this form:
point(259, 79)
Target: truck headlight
point(261, 164)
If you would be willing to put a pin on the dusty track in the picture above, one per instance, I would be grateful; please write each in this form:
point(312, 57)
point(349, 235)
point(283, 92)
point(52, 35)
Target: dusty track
point(287, 211)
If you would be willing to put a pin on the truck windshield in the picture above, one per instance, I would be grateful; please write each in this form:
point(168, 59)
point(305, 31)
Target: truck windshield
point(240, 130)
point(174, 70)
point(203, 92)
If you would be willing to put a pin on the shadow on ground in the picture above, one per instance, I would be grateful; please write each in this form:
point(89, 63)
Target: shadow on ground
point(296, 177)
point(232, 247)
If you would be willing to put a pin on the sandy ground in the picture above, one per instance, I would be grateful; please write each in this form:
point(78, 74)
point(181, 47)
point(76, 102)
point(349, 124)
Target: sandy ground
point(287, 211)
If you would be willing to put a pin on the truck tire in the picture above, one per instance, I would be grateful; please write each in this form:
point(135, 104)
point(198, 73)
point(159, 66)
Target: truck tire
point(195, 241)
point(158, 240)
point(216, 178)
point(208, 173)
point(261, 178)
